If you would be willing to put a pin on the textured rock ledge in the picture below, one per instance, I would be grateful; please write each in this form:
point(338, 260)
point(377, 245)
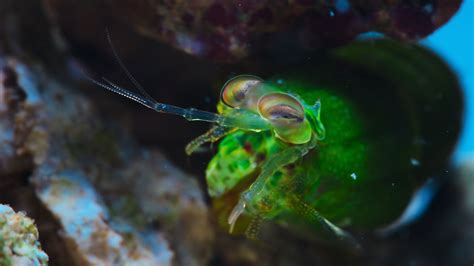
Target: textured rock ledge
point(115, 202)
point(229, 30)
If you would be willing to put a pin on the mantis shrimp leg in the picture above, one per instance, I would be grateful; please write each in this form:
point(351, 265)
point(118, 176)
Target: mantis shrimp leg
point(213, 135)
point(285, 157)
point(308, 212)
point(301, 207)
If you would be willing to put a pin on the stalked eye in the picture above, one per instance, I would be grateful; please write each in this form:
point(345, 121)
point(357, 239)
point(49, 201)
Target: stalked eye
point(237, 91)
point(281, 108)
point(287, 115)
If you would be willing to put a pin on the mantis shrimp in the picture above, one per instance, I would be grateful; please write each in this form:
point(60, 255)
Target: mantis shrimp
point(300, 149)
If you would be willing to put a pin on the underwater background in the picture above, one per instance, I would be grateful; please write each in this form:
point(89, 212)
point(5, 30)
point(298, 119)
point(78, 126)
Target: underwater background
point(457, 50)
point(384, 89)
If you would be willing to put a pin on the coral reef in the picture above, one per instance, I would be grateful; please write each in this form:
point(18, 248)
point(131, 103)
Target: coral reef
point(80, 172)
point(108, 200)
point(19, 243)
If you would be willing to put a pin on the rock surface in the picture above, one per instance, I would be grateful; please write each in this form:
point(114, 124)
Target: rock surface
point(229, 30)
point(107, 194)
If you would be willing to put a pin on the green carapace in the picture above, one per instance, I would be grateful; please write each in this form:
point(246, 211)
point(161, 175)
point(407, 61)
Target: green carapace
point(334, 145)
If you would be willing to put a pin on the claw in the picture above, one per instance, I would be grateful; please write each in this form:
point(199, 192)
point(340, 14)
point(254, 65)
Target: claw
point(234, 215)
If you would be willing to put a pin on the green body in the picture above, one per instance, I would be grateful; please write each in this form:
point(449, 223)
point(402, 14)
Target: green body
point(386, 133)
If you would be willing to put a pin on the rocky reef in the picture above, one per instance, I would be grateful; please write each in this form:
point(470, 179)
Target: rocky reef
point(230, 30)
point(104, 192)
point(108, 183)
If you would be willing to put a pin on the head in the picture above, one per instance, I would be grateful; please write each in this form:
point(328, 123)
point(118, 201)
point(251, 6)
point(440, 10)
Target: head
point(291, 119)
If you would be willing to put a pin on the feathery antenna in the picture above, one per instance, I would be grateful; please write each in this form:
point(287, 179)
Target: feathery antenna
point(250, 121)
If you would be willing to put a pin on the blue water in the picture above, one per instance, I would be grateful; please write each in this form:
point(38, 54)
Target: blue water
point(454, 42)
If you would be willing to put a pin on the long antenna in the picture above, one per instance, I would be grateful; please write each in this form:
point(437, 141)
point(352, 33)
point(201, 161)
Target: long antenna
point(241, 119)
point(126, 93)
point(124, 68)
point(191, 114)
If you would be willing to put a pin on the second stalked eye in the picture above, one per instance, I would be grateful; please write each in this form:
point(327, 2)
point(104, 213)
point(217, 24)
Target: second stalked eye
point(286, 114)
point(281, 108)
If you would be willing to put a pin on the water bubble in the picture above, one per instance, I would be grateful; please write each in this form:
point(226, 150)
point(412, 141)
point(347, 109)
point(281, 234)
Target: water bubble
point(414, 162)
point(354, 176)
point(428, 8)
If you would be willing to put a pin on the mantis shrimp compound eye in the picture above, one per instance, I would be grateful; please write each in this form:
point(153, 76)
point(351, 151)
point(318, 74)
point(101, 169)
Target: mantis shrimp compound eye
point(287, 116)
point(243, 91)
